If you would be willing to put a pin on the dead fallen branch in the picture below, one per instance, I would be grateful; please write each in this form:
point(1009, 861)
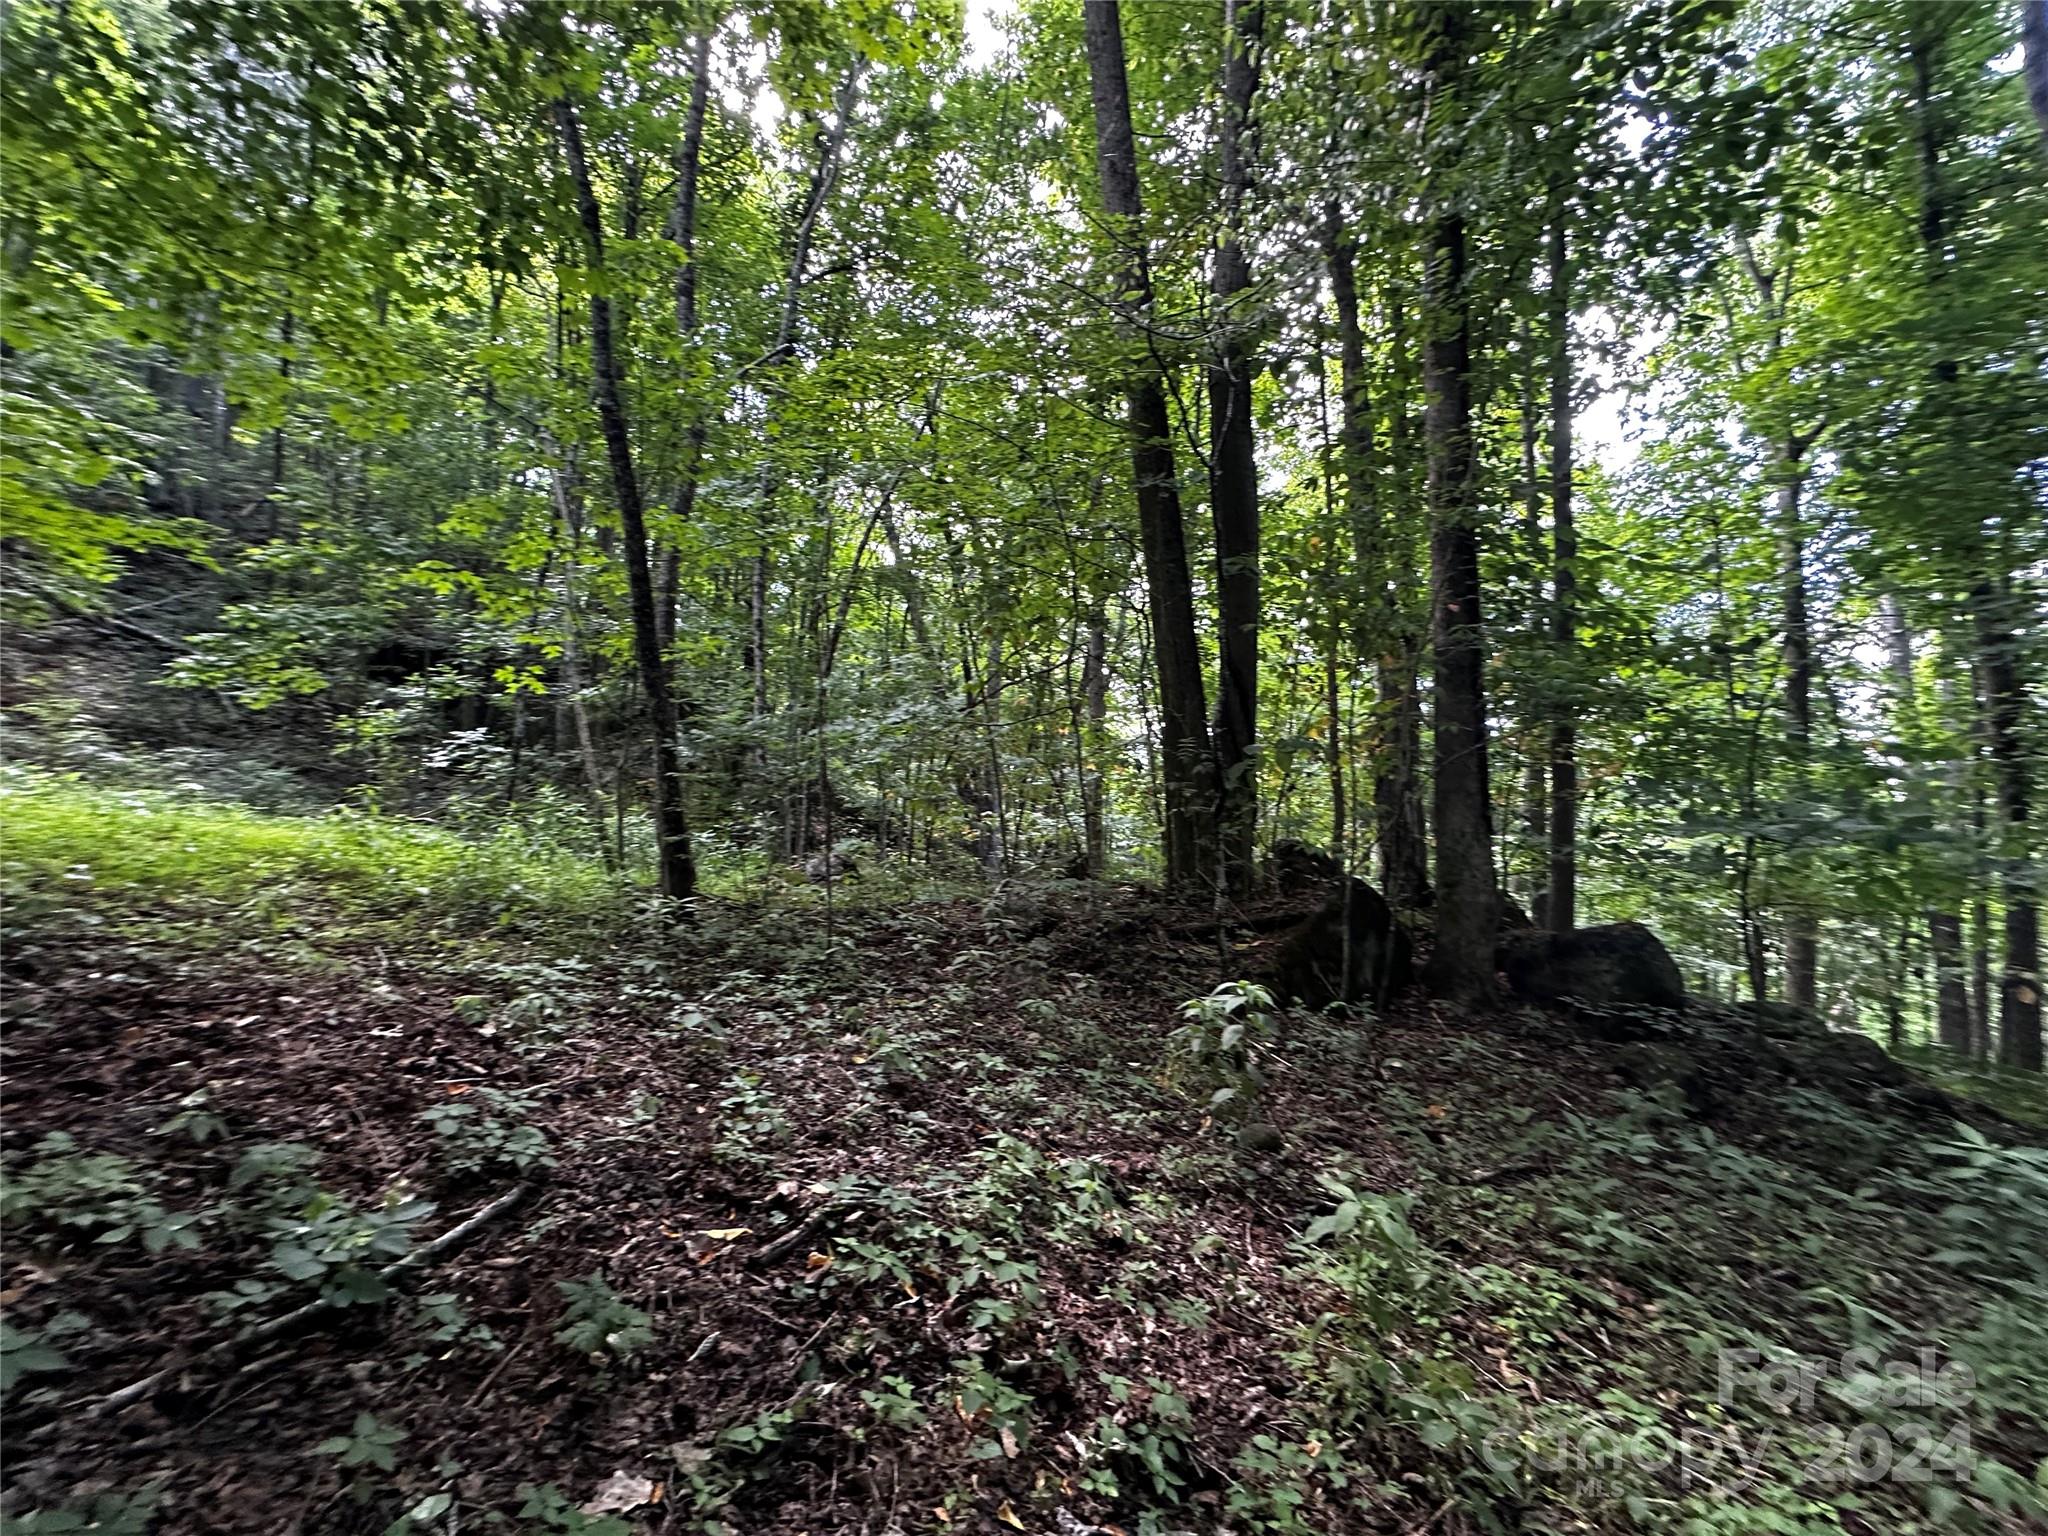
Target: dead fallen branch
point(419, 1258)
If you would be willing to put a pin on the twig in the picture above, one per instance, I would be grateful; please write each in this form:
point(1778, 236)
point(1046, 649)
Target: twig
point(782, 1246)
point(496, 1371)
point(135, 1391)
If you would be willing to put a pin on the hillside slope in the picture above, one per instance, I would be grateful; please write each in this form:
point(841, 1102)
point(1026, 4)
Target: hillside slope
point(930, 1217)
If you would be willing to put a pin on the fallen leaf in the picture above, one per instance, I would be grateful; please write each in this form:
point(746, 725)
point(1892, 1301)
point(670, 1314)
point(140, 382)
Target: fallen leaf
point(1009, 1516)
point(725, 1234)
point(1436, 1111)
point(818, 1261)
point(623, 1492)
point(1313, 1447)
point(456, 1087)
point(1009, 1442)
point(942, 1517)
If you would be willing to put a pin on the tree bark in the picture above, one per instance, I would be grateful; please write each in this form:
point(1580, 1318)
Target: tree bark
point(2034, 55)
point(673, 856)
point(1233, 468)
point(1802, 943)
point(1398, 829)
point(1990, 605)
point(1951, 1000)
point(1187, 759)
point(1467, 903)
point(1095, 694)
point(1944, 927)
point(683, 230)
point(1563, 897)
point(2019, 987)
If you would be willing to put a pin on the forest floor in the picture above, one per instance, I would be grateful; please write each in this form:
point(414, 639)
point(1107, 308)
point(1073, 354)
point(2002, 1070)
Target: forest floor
point(921, 1219)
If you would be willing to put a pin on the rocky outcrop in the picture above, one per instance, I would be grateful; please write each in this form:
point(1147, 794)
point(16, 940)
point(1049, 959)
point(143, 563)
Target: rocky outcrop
point(1607, 972)
point(1351, 950)
point(1295, 867)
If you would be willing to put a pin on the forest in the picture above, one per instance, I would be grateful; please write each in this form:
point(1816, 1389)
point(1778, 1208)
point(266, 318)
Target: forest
point(905, 766)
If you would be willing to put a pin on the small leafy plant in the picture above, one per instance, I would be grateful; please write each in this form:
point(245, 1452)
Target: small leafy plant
point(489, 1136)
point(599, 1322)
point(369, 1443)
point(68, 1194)
point(1222, 1050)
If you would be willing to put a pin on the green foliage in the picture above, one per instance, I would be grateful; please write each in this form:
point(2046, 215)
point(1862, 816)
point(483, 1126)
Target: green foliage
point(369, 1443)
point(66, 1195)
point(486, 1133)
point(70, 842)
point(330, 1245)
point(1221, 1052)
point(599, 1322)
point(105, 1514)
point(26, 1352)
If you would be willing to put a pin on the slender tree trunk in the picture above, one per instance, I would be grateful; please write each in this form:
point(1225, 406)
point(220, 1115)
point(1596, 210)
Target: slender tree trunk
point(1095, 694)
point(1991, 615)
point(1467, 903)
point(572, 662)
point(2019, 1014)
point(1533, 848)
point(1397, 786)
point(1398, 827)
point(1802, 944)
point(1563, 896)
point(1951, 1001)
point(1233, 468)
point(673, 855)
point(683, 230)
point(1944, 927)
point(1187, 760)
point(2034, 56)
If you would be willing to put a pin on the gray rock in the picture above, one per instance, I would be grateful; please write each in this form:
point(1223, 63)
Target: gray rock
point(1350, 950)
point(1611, 969)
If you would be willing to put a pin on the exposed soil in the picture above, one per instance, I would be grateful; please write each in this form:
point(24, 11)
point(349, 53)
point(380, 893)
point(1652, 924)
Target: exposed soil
point(894, 1060)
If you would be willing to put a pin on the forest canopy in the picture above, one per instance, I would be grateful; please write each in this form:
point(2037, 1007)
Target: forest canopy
point(1593, 455)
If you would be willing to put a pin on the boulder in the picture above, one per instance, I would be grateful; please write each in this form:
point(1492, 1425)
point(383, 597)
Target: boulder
point(1616, 968)
point(1295, 866)
point(833, 866)
point(1783, 1021)
point(1654, 1066)
point(1349, 950)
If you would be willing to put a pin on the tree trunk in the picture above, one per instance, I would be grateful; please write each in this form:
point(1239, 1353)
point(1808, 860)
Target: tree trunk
point(1944, 927)
point(1398, 827)
point(1951, 1000)
point(1467, 901)
point(1187, 761)
point(2019, 1013)
point(1562, 904)
point(673, 855)
point(1095, 693)
point(683, 230)
point(1233, 468)
point(1802, 944)
point(2034, 56)
point(2004, 691)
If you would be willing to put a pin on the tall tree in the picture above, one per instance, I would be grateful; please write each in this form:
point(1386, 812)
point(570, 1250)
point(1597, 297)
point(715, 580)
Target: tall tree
point(1990, 598)
point(1233, 465)
point(673, 855)
point(1562, 895)
point(1467, 898)
point(1187, 764)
